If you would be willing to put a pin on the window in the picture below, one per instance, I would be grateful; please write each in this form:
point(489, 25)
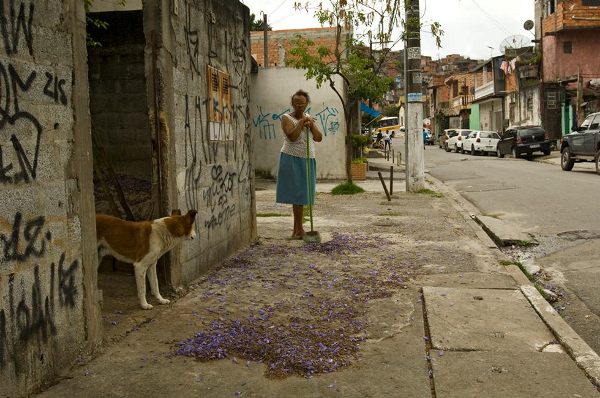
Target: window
point(530, 104)
point(219, 95)
point(594, 125)
point(591, 3)
point(568, 47)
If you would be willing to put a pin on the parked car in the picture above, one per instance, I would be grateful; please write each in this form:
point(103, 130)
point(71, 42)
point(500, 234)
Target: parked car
point(582, 145)
point(481, 142)
point(455, 141)
point(524, 140)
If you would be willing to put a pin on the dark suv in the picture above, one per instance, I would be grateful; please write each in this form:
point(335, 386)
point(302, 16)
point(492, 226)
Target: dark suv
point(524, 140)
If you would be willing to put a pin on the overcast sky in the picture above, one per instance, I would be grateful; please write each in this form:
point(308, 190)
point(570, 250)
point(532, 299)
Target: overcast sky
point(470, 26)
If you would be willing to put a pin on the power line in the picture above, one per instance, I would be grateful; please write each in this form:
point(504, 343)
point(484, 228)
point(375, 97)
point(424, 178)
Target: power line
point(278, 7)
point(491, 18)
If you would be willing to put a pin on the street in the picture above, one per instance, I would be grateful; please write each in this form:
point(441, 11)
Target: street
point(557, 208)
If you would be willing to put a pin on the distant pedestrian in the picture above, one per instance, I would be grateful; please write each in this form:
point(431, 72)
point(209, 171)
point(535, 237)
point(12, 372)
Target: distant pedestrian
point(424, 138)
point(387, 141)
point(385, 137)
point(292, 177)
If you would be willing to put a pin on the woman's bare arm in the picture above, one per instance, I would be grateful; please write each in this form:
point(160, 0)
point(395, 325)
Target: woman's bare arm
point(292, 132)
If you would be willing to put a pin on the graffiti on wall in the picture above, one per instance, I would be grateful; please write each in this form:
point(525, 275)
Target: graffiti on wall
point(267, 123)
point(217, 127)
point(19, 159)
point(33, 301)
point(39, 285)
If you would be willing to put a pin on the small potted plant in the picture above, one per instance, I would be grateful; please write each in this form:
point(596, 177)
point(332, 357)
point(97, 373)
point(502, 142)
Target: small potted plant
point(359, 162)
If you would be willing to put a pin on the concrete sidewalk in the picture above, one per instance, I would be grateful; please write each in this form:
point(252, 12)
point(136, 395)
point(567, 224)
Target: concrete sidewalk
point(404, 298)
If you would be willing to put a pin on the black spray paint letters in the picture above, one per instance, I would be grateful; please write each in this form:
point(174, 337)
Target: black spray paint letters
point(31, 314)
point(217, 197)
point(20, 122)
point(34, 240)
point(15, 23)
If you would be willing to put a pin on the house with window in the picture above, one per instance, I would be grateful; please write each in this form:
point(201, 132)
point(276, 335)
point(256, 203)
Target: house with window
point(487, 110)
point(568, 40)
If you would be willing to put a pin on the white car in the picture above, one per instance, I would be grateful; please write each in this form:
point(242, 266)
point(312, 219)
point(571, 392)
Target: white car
point(455, 142)
point(481, 142)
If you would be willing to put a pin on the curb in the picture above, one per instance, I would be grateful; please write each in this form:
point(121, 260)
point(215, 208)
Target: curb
point(579, 350)
point(583, 355)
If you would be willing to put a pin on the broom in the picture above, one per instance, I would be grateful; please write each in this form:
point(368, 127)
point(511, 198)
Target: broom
point(312, 236)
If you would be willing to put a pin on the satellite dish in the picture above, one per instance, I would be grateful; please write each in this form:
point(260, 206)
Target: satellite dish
point(528, 25)
point(514, 42)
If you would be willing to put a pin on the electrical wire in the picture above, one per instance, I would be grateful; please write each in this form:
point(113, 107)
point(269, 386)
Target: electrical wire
point(492, 18)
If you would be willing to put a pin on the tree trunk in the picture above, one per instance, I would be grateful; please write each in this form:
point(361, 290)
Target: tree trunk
point(349, 113)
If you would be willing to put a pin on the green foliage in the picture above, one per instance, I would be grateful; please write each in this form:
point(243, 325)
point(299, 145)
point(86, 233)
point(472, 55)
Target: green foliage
point(359, 160)
point(347, 188)
point(359, 140)
point(392, 110)
point(95, 22)
point(429, 192)
point(256, 24)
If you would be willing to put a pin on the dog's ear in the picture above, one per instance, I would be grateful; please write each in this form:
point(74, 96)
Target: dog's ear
point(191, 214)
point(175, 212)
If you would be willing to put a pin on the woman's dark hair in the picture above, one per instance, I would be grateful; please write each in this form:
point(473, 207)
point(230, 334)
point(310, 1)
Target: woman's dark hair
point(303, 94)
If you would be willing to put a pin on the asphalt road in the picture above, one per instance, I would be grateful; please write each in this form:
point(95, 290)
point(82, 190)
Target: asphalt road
point(559, 209)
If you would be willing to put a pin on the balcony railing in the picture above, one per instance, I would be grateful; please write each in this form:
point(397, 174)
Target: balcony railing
point(484, 90)
point(462, 102)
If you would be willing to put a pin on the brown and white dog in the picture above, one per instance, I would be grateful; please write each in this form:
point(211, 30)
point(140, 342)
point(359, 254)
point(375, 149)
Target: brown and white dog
point(142, 243)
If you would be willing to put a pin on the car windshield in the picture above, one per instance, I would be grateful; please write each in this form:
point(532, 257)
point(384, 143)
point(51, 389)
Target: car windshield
point(465, 133)
point(489, 134)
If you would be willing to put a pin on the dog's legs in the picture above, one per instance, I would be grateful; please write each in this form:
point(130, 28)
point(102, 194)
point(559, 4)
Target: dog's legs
point(153, 279)
point(140, 281)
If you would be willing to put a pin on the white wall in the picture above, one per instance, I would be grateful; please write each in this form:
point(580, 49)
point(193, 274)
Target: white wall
point(486, 111)
point(270, 95)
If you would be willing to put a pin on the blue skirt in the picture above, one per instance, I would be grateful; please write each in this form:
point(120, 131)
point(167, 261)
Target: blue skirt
point(292, 181)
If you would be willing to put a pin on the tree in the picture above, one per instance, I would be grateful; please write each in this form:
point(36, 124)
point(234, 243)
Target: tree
point(257, 24)
point(356, 64)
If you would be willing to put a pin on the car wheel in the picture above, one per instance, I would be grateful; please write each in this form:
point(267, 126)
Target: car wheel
point(566, 161)
point(462, 149)
point(499, 154)
point(547, 152)
point(598, 162)
point(473, 153)
point(446, 148)
point(455, 148)
point(515, 154)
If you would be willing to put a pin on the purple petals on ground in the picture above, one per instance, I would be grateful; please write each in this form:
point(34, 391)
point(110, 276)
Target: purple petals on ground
point(301, 348)
point(295, 309)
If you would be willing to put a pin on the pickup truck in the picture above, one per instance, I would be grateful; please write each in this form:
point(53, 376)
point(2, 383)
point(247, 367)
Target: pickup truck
point(582, 145)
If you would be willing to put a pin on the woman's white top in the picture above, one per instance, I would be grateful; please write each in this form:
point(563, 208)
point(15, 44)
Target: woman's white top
point(297, 148)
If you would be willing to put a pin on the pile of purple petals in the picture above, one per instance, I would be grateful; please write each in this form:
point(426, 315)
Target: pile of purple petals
point(320, 330)
point(297, 348)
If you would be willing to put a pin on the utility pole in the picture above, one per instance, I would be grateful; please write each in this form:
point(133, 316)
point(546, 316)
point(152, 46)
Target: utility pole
point(266, 42)
point(414, 145)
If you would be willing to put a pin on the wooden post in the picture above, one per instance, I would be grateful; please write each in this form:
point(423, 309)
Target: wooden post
point(391, 180)
point(384, 187)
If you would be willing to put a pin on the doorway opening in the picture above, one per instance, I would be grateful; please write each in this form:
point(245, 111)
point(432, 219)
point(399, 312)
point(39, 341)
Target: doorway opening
point(124, 157)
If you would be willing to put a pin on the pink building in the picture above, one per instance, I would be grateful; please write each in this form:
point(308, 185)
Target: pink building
point(570, 65)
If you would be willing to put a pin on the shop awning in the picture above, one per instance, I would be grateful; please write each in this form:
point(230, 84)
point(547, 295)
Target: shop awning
point(368, 110)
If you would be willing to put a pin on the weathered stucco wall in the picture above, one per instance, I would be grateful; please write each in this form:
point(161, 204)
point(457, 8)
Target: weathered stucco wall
point(45, 196)
point(271, 92)
point(209, 136)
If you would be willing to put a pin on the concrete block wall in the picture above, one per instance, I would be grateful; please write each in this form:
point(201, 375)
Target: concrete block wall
point(212, 160)
point(271, 91)
point(118, 101)
point(43, 220)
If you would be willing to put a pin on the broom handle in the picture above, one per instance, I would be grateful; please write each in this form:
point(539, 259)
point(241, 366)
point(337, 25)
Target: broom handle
point(309, 180)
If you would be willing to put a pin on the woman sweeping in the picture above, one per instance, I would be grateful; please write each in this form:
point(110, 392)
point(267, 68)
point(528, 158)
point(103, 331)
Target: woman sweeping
point(292, 177)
